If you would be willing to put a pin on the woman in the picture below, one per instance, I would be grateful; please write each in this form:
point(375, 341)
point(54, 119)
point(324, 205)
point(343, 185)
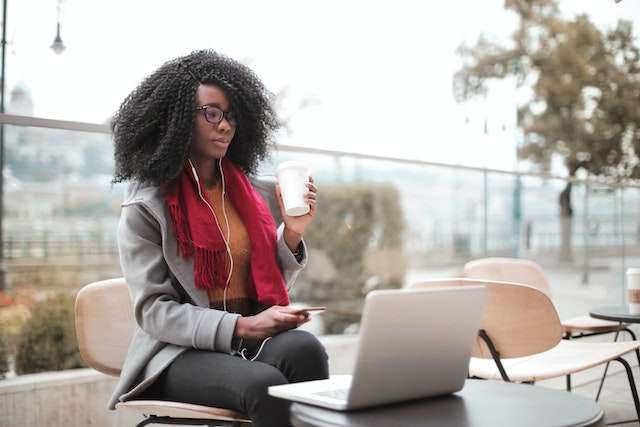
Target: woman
point(199, 249)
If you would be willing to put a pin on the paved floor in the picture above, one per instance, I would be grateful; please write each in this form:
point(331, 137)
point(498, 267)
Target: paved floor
point(616, 399)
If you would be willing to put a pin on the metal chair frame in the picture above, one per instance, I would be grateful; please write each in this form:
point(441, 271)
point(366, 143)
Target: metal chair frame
point(495, 354)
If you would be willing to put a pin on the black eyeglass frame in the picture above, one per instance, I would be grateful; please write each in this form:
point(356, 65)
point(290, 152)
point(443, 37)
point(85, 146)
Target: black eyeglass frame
point(228, 115)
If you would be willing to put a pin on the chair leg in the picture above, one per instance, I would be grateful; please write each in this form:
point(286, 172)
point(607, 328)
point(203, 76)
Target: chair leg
point(147, 420)
point(633, 337)
point(568, 336)
point(632, 384)
point(494, 353)
point(630, 332)
point(606, 369)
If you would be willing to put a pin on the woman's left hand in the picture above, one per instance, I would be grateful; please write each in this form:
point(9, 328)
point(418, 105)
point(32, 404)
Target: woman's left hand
point(296, 225)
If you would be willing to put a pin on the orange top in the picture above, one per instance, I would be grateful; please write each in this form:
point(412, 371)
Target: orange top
point(238, 289)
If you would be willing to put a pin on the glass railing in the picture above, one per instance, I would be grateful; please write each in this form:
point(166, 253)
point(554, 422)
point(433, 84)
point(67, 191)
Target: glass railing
point(454, 214)
point(60, 210)
point(381, 222)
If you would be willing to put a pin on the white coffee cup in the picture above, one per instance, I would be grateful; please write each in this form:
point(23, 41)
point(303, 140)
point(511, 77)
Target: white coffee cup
point(633, 290)
point(292, 177)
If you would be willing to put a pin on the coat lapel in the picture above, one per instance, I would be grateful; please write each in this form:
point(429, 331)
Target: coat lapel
point(182, 269)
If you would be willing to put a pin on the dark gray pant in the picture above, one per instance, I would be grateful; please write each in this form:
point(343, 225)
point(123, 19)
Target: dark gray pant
point(226, 381)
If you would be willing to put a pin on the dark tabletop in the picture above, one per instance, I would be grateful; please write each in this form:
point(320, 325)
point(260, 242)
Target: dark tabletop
point(480, 403)
point(618, 313)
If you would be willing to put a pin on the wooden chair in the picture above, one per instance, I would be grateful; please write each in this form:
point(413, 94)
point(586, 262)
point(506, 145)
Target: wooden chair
point(530, 273)
point(520, 338)
point(104, 328)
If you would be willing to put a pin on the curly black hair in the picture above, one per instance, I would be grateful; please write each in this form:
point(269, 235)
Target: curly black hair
point(152, 130)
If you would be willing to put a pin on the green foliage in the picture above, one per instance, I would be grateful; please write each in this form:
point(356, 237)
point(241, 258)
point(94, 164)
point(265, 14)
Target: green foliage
point(12, 319)
point(356, 245)
point(48, 339)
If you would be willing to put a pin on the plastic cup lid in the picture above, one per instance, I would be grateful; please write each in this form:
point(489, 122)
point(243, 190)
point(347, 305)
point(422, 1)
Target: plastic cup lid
point(291, 164)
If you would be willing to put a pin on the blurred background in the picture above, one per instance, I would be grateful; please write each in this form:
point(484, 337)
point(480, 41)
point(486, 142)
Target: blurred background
point(437, 132)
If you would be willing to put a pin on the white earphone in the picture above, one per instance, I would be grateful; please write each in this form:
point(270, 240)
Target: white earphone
point(226, 243)
point(226, 220)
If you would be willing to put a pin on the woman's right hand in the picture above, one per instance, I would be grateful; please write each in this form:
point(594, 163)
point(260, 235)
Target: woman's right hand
point(269, 322)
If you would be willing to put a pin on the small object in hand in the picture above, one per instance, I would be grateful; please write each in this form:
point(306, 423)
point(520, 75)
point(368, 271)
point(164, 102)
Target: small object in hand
point(292, 177)
point(311, 310)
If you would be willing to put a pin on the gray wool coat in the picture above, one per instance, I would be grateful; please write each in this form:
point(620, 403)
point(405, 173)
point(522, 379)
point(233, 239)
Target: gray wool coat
point(171, 314)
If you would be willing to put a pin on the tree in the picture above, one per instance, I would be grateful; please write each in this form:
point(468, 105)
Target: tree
point(586, 91)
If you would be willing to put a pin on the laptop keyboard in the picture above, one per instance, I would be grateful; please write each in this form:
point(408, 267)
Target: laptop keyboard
point(340, 394)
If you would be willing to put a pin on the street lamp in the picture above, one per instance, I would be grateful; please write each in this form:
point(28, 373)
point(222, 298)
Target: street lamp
point(58, 46)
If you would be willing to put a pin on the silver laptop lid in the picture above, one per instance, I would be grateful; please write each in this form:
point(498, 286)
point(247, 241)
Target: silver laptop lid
point(415, 343)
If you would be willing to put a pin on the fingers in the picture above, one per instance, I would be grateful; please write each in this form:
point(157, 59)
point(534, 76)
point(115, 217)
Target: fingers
point(289, 318)
point(311, 196)
point(279, 199)
point(292, 317)
point(302, 315)
point(312, 207)
point(293, 310)
point(283, 318)
point(288, 309)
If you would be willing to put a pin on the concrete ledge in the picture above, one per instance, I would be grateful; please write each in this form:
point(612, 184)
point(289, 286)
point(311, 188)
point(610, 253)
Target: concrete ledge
point(78, 397)
point(73, 398)
point(50, 379)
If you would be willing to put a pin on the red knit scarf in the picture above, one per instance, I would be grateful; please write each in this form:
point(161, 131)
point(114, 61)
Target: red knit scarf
point(197, 233)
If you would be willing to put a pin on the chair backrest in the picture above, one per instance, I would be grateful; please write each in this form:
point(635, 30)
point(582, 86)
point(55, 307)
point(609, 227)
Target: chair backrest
point(508, 270)
point(104, 324)
point(520, 320)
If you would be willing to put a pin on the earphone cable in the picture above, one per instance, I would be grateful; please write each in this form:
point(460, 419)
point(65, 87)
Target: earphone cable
point(228, 239)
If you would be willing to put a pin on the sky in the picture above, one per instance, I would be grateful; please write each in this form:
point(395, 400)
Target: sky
point(379, 73)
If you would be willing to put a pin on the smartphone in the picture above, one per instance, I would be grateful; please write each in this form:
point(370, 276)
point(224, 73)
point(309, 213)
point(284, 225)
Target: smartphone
point(311, 310)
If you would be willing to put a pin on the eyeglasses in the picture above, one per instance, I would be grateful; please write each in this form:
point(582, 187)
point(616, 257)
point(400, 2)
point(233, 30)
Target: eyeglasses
point(215, 115)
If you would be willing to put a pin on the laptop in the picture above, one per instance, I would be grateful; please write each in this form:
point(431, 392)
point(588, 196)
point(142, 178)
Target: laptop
point(413, 344)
